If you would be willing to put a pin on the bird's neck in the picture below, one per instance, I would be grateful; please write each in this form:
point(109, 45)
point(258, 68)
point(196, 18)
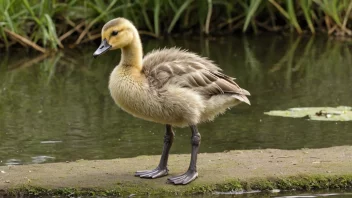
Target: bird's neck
point(132, 54)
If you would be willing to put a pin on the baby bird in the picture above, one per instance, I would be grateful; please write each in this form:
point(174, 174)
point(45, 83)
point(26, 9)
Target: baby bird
point(173, 87)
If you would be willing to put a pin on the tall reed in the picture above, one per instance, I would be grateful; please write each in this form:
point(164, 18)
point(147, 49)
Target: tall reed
point(48, 25)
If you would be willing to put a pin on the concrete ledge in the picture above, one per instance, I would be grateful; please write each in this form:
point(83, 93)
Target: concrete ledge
point(267, 169)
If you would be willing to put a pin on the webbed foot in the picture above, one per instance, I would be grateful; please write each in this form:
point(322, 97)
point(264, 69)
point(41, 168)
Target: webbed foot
point(185, 178)
point(158, 172)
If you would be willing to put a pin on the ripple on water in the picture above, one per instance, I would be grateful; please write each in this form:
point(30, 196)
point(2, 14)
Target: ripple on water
point(13, 162)
point(41, 159)
point(50, 142)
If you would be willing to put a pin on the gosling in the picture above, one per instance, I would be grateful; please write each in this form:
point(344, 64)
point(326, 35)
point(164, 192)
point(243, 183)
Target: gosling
point(173, 87)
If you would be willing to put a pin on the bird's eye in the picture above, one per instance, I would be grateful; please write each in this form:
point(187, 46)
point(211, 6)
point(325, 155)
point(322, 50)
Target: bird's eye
point(114, 33)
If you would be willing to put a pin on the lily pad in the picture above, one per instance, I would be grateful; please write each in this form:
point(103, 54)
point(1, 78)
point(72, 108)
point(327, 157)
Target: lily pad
point(341, 113)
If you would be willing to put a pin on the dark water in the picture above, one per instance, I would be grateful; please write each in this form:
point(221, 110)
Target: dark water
point(290, 194)
point(58, 108)
point(287, 194)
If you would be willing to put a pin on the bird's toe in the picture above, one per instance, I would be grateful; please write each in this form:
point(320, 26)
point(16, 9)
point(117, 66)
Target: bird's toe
point(155, 173)
point(184, 178)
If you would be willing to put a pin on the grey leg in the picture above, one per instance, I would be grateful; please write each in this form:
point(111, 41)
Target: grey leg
point(191, 173)
point(161, 170)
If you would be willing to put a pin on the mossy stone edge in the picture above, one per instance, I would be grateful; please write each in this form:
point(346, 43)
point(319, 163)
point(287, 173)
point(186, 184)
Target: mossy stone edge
point(301, 182)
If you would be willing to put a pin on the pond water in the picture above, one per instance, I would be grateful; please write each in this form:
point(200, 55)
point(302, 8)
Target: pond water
point(58, 108)
point(290, 194)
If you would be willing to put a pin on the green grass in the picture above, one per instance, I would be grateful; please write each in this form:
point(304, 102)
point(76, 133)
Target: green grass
point(52, 24)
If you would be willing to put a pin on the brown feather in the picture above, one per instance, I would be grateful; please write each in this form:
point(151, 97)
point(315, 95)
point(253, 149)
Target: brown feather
point(174, 66)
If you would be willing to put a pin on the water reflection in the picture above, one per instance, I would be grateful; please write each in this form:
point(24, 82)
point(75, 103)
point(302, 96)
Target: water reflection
point(65, 98)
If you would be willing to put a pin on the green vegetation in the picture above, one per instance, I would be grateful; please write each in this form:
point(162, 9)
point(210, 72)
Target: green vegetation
point(52, 24)
point(300, 183)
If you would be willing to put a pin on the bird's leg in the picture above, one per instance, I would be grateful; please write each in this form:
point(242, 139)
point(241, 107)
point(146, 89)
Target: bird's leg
point(161, 170)
point(191, 173)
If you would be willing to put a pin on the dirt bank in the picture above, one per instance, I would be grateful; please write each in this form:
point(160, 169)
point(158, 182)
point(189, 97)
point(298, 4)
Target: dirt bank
point(233, 170)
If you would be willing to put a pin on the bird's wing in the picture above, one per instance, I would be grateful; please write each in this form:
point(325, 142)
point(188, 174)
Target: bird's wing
point(195, 72)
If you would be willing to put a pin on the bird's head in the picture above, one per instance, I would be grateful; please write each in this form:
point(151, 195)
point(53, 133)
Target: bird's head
point(115, 34)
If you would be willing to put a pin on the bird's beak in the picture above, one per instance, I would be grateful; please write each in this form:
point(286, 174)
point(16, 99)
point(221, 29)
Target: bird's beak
point(104, 46)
